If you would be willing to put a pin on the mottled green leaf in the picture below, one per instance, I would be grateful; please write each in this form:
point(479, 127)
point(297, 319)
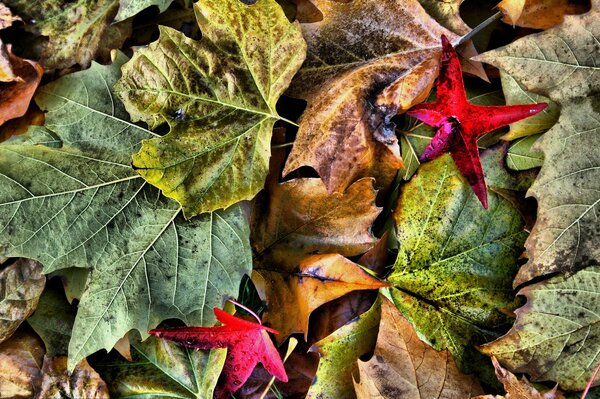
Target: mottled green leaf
point(53, 322)
point(456, 260)
point(563, 64)
point(75, 30)
point(162, 369)
point(339, 355)
point(129, 8)
point(556, 333)
point(218, 96)
point(21, 285)
point(147, 263)
point(522, 156)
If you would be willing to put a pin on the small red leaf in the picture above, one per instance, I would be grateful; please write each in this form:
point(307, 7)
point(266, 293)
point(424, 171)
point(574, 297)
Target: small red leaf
point(459, 123)
point(247, 344)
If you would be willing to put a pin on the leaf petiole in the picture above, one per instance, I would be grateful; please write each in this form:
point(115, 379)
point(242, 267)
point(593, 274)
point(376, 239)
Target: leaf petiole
point(478, 28)
point(246, 309)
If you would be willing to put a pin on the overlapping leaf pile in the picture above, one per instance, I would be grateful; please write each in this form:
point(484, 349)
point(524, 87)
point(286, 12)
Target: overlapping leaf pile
point(261, 150)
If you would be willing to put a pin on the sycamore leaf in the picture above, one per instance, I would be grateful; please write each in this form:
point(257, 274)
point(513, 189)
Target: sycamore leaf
point(301, 218)
point(221, 109)
point(53, 321)
point(556, 332)
point(129, 8)
point(517, 94)
point(20, 365)
point(522, 156)
point(562, 63)
point(247, 344)
point(162, 369)
point(456, 260)
point(367, 61)
point(518, 389)
point(339, 355)
point(76, 30)
point(538, 14)
point(403, 366)
point(21, 285)
point(147, 263)
point(16, 95)
point(58, 383)
point(292, 297)
point(74, 280)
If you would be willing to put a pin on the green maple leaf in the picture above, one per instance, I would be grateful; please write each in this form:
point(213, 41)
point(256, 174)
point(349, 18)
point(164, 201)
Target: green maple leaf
point(69, 198)
point(218, 97)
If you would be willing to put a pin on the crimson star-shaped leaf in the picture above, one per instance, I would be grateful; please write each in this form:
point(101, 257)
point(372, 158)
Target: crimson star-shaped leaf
point(247, 344)
point(459, 123)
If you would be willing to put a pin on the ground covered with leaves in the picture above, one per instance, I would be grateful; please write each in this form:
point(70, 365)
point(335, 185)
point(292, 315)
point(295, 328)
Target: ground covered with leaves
point(393, 205)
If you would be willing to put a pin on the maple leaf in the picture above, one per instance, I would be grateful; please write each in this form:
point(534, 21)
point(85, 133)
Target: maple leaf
point(247, 344)
point(459, 123)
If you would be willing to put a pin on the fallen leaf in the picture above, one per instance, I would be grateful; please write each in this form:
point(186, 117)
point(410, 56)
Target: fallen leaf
point(129, 8)
point(459, 123)
point(403, 366)
point(147, 263)
point(20, 363)
point(82, 382)
point(339, 355)
point(21, 285)
point(522, 155)
point(538, 14)
point(6, 17)
point(6, 70)
point(53, 322)
point(516, 389)
point(517, 94)
point(247, 344)
point(367, 61)
point(565, 236)
point(221, 110)
point(554, 336)
point(162, 369)
point(292, 297)
point(17, 95)
point(456, 261)
point(75, 30)
point(14, 127)
point(74, 280)
point(301, 218)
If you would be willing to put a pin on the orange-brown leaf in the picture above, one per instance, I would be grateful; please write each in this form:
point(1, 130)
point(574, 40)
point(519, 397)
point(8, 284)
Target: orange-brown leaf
point(538, 14)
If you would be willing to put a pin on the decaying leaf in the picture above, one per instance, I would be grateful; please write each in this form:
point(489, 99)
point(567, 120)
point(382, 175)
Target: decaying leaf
point(522, 155)
point(562, 63)
point(405, 367)
point(147, 263)
point(6, 17)
point(301, 218)
point(538, 14)
point(82, 382)
point(221, 109)
point(518, 389)
point(20, 365)
point(21, 285)
point(339, 355)
point(456, 261)
point(292, 296)
point(162, 369)
point(556, 332)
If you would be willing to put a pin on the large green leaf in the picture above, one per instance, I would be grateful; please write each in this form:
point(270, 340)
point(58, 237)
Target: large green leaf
point(76, 202)
point(162, 369)
point(563, 63)
point(556, 335)
point(218, 97)
point(456, 260)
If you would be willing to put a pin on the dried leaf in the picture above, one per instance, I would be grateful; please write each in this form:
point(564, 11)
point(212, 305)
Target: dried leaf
point(20, 363)
point(6, 17)
point(21, 285)
point(292, 297)
point(405, 367)
point(538, 14)
point(58, 383)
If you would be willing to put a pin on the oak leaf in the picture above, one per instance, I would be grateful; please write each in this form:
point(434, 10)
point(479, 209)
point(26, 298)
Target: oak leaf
point(562, 63)
point(247, 344)
point(292, 297)
point(403, 366)
point(220, 109)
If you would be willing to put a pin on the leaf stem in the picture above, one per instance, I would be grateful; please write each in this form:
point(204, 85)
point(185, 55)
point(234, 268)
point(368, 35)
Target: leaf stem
point(283, 145)
point(478, 28)
point(287, 121)
point(236, 303)
point(590, 382)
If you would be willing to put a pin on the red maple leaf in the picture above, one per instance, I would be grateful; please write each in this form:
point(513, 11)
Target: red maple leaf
point(247, 344)
point(459, 123)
